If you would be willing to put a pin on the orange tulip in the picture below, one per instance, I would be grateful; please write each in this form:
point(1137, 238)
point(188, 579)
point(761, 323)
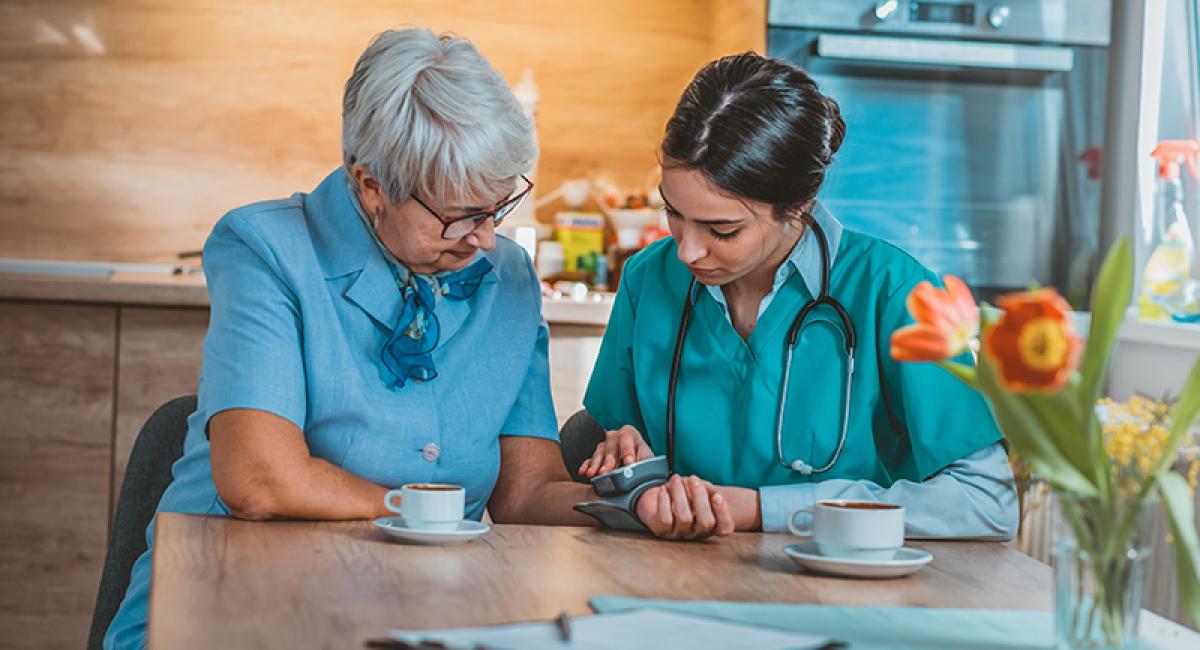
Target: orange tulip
point(947, 320)
point(1034, 344)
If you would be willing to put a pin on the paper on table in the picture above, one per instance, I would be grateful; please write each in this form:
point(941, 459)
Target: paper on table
point(643, 628)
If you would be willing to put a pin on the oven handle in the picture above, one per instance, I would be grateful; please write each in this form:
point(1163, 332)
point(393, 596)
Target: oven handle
point(917, 51)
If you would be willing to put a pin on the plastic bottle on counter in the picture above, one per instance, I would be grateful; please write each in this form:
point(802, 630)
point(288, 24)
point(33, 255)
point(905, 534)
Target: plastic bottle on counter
point(600, 283)
point(1165, 242)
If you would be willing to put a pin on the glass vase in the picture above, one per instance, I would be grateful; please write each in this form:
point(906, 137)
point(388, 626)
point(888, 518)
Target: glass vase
point(1099, 571)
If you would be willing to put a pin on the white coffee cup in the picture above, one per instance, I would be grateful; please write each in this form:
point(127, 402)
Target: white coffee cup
point(429, 506)
point(864, 530)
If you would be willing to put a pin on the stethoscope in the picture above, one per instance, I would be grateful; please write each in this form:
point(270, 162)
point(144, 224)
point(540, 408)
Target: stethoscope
point(793, 335)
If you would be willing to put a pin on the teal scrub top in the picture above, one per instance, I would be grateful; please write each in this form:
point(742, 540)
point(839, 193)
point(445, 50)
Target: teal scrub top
point(728, 388)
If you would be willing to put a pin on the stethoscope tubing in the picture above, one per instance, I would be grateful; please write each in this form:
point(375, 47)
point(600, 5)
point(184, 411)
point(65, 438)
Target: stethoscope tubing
point(793, 335)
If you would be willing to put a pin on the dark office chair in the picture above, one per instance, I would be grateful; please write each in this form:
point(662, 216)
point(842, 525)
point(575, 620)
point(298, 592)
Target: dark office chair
point(158, 446)
point(577, 441)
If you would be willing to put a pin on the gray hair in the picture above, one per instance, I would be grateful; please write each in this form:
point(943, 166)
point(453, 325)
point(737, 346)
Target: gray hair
point(428, 115)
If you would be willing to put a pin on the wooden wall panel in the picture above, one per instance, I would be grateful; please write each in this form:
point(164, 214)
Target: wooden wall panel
point(738, 26)
point(158, 360)
point(128, 127)
point(56, 392)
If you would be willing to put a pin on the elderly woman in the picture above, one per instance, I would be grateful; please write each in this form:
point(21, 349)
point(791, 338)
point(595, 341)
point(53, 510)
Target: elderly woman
point(376, 332)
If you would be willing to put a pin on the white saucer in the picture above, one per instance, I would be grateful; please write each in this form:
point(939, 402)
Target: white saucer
point(467, 530)
point(907, 561)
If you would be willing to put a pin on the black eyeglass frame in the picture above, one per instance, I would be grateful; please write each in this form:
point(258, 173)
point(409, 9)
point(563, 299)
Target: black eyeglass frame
point(497, 214)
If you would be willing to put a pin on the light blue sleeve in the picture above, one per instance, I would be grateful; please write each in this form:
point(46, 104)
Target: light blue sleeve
point(253, 356)
point(533, 413)
point(972, 498)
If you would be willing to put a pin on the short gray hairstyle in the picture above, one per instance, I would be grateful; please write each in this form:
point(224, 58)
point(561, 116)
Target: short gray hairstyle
point(426, 114)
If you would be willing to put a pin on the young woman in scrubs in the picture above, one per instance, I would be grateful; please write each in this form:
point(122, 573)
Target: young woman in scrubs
point(744, 157)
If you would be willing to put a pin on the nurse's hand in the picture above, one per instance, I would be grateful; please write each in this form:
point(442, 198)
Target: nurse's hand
point(685, 508)
point(624, 446)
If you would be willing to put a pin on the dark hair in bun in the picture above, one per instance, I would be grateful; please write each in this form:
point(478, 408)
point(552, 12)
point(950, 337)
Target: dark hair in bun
point(757, 128)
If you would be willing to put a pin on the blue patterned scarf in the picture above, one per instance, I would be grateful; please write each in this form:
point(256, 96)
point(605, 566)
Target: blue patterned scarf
point(408, 354)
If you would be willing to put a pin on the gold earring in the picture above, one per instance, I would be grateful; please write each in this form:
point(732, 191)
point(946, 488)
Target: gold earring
point(375, 222)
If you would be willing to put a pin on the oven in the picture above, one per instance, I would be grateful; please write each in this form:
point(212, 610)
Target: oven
point(974, 129)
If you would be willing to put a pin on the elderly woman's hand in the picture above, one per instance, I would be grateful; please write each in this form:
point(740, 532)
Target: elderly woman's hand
point(685, 508)
point(624, 446)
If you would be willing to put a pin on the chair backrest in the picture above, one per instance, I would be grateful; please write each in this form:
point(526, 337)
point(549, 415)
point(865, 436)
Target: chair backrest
point(578, 439)
point(147, 475)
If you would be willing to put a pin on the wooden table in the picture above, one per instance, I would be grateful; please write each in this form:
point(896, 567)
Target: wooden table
point(223, 583)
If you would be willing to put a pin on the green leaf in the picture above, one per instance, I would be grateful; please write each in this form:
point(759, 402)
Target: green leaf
point(1111, 295)
point(1185, 413)
point(1180, 507)
point(1067, 427)
point(1040, 435)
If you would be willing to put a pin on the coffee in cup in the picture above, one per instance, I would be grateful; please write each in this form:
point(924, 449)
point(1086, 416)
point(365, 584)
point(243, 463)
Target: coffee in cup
point(863, 530)
point(429, 506)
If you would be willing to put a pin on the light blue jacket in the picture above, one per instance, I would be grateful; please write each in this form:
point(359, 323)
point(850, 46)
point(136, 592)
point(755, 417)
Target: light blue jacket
point(303, 302)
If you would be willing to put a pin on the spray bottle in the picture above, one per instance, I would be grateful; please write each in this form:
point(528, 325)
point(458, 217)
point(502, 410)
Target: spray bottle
point(1167, 238)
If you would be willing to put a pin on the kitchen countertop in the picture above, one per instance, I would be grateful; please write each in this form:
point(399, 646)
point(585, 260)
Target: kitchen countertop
point(1163, 333)
point(160, 290)
point(164, 290)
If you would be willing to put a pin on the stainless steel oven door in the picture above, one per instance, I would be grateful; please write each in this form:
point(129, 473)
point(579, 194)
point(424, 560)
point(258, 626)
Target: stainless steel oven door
point(964, 153)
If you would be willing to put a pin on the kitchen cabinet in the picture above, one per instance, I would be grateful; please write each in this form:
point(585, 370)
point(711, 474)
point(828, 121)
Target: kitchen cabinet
point(56, 427)
point(573, 352)
point(76, 384)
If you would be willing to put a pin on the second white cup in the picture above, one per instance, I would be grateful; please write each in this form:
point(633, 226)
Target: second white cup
point(862, 530)
point(429, 506)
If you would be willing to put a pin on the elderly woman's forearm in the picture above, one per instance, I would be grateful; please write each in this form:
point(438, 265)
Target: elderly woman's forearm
point(263, 469)
point(317, 489)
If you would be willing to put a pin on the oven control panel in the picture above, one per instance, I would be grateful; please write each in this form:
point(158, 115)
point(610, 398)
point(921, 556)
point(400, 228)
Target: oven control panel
point(1065, 22)
point(956, 13)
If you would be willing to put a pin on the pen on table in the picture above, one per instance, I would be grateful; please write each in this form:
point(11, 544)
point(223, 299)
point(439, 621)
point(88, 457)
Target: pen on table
point(396, 644)
point(564, 626)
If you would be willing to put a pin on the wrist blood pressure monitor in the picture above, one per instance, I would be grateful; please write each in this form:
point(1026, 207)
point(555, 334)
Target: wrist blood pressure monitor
point(619, 491)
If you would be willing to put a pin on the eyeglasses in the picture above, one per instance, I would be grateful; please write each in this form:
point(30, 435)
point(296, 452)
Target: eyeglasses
point(462, 226)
